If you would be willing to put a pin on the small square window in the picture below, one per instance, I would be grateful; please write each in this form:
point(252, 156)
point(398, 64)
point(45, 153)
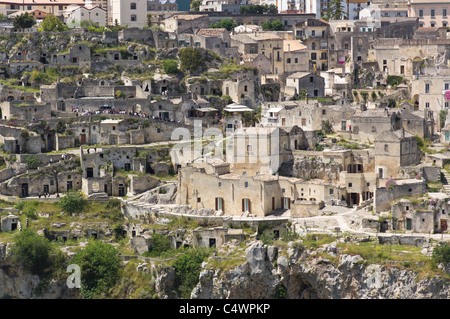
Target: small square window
point(350, 184)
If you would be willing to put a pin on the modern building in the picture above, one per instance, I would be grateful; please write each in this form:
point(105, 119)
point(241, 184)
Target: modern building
point(431, 13)
point(56, 7)
point(74, 15)
point(132, 13)
point(231, 6)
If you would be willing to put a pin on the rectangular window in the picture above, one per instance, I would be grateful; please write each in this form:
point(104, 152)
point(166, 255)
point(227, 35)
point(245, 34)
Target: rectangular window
point(444, 12)
point(433, 13)
point(421, 13)
point(427, 88)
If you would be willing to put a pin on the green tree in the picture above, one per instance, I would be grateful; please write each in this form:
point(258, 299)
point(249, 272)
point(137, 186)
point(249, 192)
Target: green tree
point(170, 66)
point(32, 162)
point(52, 23)
point(272, 8)
point(195, 5)
point(24, 21)
point(100, 268)
point(33, 252)
point(335, 11)
point(29, 208)
point(394, 80)
point(187, 268)
point(441, 254)
point(60, 127)
point(73, 202)
point(228, 24)
point(158, 244)
point(191, 59)
point(273, 26)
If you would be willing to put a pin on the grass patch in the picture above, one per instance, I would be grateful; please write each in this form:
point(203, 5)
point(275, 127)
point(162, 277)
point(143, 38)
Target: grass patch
point(317, 240)
point(226, 263)
point(400, 256)
point(134, 284)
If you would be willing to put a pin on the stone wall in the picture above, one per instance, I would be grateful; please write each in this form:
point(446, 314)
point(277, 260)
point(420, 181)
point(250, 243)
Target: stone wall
point(139, 184)
point(384, 196)
point(429, 173)
point(301, 209)
point(418, 241)
point(64, 141)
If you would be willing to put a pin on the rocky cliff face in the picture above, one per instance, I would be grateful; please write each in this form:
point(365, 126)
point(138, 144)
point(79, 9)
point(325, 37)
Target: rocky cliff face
point(298, 274)
point(18, 284)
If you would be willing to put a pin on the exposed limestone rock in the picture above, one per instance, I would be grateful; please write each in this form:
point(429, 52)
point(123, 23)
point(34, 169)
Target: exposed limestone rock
point(308, 168)
point(18, 284)
point(308, 277)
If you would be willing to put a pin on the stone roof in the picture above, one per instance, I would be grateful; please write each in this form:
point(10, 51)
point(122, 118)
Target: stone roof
point(244, 38)
point(293, 45)
point(211, 32)
point(188, 16)
point(299, 75)
point(216, 162)
point(230, 176)
point(392, 135)
point(373, 113)
point(263, 35)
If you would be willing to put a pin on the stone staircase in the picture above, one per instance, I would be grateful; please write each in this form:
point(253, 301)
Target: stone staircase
point(446, 181)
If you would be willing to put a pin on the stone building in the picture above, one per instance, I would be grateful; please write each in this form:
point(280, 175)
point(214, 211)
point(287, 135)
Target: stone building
point(10, 223)
point(24, 110)
point(314, 35)
point(313, 84)
point(308, 115)
point(393, 150)
point(419, 123)
point(216, 187)
point(429, 216)
point(259, 150)
point(185, 23)
point(367, 125)
point(242, 87)
point(79, 54)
